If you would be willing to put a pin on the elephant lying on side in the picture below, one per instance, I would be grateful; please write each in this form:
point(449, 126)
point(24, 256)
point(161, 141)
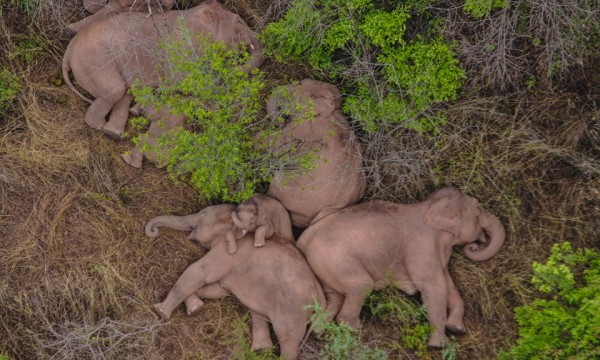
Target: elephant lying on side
point(375, 244)
point(338, 179)
point(261, 215)
point(102, 9)
point(274, 282)
point(111, 54)
point(162, 122)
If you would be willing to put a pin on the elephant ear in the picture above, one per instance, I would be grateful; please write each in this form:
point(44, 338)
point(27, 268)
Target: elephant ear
point(445, 215)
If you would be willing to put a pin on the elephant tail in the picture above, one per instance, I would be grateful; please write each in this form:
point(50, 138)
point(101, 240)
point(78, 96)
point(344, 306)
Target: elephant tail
point(66, 68)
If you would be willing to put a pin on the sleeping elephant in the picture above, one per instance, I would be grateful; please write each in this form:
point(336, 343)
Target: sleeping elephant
point(374, 244)
point(274, 282)
point(338, 179)
point(102, 9)
point(111, 54)
point(261, 215)
point(163, 122)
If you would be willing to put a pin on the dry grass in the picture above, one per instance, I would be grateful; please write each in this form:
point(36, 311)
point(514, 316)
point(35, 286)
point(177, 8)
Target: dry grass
point(78, 276)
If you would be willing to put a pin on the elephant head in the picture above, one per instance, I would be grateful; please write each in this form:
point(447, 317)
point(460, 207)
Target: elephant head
point(462, 216)
point(206, 226)
point(247, 217)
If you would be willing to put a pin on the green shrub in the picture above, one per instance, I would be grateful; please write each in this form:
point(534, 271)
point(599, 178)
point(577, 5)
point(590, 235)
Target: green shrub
point(9, 87)
point(225, 154)
point(565, 322)
point(390, 74)
point(480, 8)
point(341, 339)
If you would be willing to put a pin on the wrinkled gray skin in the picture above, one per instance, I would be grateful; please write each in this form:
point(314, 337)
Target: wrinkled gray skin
point(375, 244)
point(337, 179)
point(162, 122)
point(102, 9)
point(261, 215)
point(111, 54)
point(274, 282)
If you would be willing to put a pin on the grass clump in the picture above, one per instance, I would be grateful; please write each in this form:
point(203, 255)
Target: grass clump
point(10, 86)
point(565, 322)
point(392, 73)
point(342, 340)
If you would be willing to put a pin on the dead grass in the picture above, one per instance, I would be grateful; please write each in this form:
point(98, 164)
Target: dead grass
point(78, 276)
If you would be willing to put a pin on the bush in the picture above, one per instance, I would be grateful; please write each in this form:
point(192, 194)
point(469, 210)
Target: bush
point(9, 87)
point(218, 154)
point(565, 323)
point(391, 74)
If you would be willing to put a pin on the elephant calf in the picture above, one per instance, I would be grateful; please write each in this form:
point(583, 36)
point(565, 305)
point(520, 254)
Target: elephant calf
point(337, 180)
point(261, 215)
point(374, 244)
point(274, 282)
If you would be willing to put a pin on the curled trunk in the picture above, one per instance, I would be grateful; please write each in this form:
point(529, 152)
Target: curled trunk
point(494, 231)
point(183, 223)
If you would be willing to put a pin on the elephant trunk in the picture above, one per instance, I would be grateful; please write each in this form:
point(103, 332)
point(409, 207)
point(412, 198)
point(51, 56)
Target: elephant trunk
point(183, 223)
point(236, 220)
point(494, 230)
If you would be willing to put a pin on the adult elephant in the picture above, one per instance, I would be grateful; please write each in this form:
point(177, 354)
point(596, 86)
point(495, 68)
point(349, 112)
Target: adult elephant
point(273, 281)
point(111, 54)
point(102, 9)
point(374, 244)
point(315, 124)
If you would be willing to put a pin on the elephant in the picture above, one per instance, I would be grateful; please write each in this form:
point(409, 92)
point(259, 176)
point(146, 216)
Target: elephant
point(261, 215)
point(374, 244)
point(163, 122)
point(337, 179)
point(110, 55)
point(102, 9)
point(274, 282)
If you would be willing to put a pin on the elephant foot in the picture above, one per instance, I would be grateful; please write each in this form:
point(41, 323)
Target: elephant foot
point(135, 109)
point(259, 244)
point(70, 31)
point(159, 309)
point(436, 341)
point(231, 247)
point(114, 134)
point(193, 305)
point(134, 161)
point(456, 329)
point(261, 344)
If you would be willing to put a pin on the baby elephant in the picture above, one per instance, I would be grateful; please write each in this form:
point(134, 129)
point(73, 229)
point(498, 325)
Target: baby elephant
point(275, 282)
point(262, 215)
point(163, 122)
point(105, 8)
point(374, 244)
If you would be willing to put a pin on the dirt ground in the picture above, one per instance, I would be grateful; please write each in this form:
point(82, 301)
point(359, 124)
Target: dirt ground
point(78, 277)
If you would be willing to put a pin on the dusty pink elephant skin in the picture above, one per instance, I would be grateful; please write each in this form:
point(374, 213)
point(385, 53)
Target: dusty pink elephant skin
point(111, 54)
point(261, 215)
point(163, 122)
point(338, 179)
point(375, 244)
point(102, 9)
point(274, 281)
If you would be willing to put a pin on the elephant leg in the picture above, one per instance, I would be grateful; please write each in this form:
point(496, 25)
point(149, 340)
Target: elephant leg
point(434, 292)
point(210, 269)
point(261, 337)
point(456, 308)
point(95, 115)
point(289, 334)
point(334, 301)
point(194, 303)
point(134, 158)
point(115, 127)
point(350, 311)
